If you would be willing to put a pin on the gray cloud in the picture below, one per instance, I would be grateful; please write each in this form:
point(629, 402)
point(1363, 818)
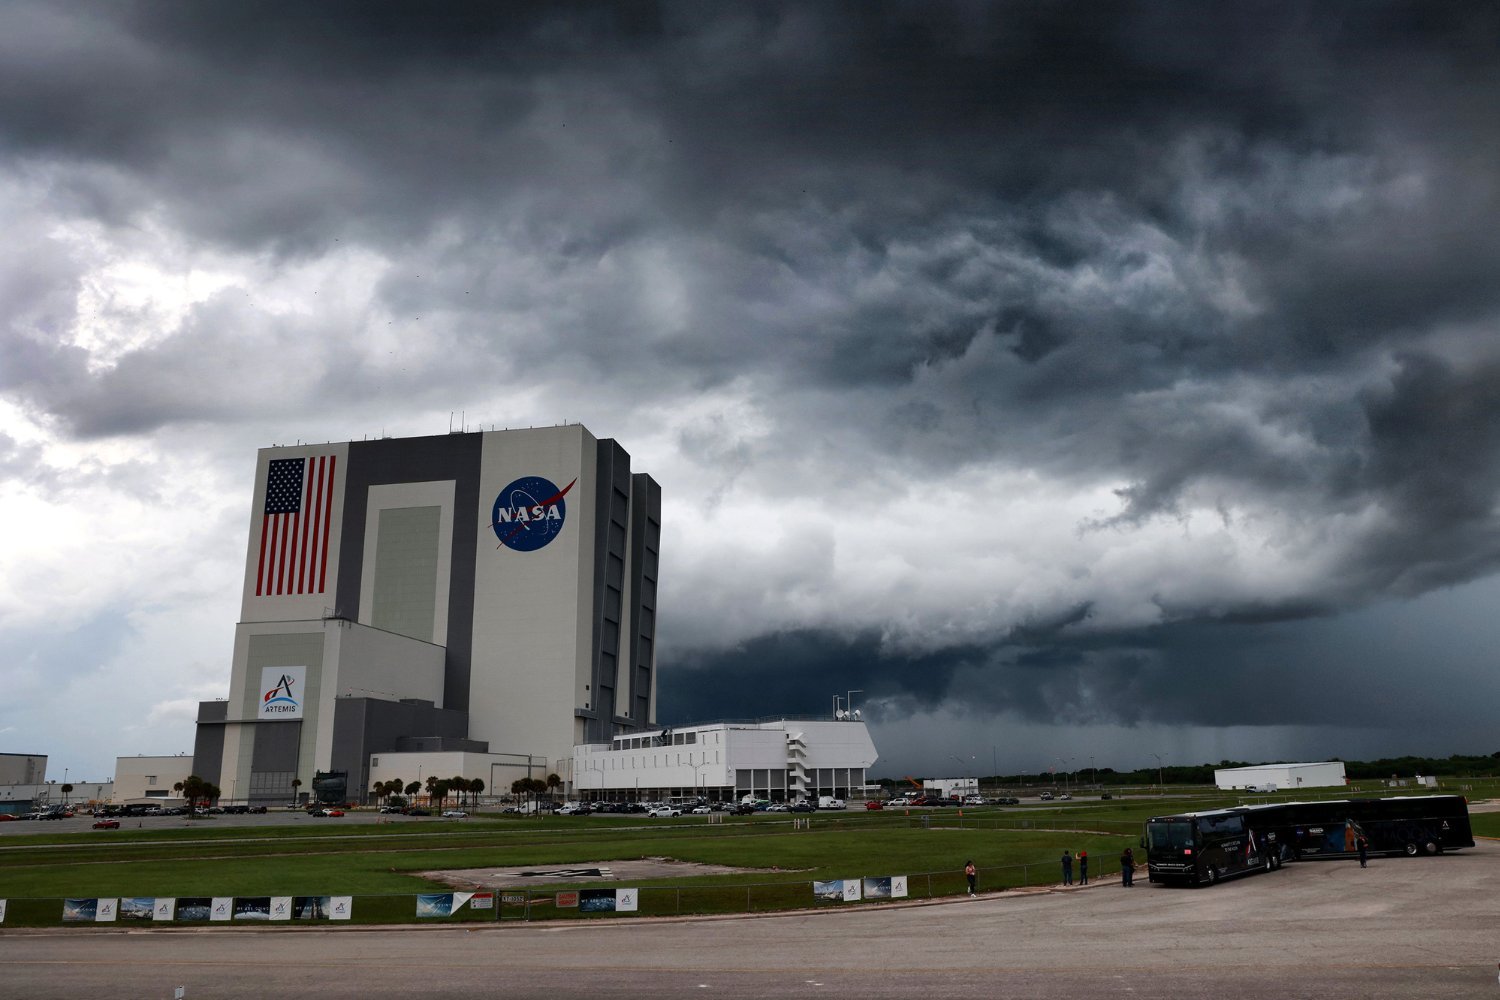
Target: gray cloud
point(1215, 287)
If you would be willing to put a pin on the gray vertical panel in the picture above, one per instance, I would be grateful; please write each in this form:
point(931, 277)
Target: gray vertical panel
point(645, 546)
point(406, 562)
point(421, 460)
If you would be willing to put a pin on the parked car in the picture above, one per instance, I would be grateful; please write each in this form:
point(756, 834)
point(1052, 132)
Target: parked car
point(701, 810)
point(664, 812)
point(1065, 795)
point(1045, 796)
point(804, 807)
point(874, 805)
point(455, 814)
point(418, 811)
point(1007, 800)
point(106, 824)
point(574, 809)
point(1106, 795)
point(778, 807)
point(329, 811)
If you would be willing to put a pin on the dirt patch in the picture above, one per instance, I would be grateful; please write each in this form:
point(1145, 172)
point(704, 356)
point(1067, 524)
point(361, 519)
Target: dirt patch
point(574, 873)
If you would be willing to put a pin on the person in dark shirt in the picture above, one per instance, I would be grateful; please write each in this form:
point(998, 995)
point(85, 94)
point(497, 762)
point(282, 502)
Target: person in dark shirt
point(1067, 865)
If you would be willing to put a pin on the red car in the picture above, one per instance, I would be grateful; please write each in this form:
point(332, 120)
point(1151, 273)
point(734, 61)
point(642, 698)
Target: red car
point(874, 804)
point(106, 824)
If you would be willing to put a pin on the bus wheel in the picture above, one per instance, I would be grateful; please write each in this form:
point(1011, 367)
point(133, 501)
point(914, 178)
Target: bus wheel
point(1411, 850)
point(1212, 875)
point(1431, 847)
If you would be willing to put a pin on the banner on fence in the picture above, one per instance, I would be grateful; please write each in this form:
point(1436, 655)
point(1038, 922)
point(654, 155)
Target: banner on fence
point(441, 904)
point(567, 899)
point(482, 901)
point(281, 907)
point(342, 906)
point(164, 908)
point(193, 907)
point(222, 908)
point(252, 908)
point(138, 908)
point(79, 910)
point(2, 911)
point(885, 887)
point(627, 900)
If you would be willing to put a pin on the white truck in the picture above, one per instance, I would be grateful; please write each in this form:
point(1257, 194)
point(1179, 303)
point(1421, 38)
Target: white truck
point(829, 802)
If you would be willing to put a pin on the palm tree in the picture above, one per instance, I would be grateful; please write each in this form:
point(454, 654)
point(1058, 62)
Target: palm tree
point(412, 788)
point(476, 786)
point(66, 790)
point(296, 784)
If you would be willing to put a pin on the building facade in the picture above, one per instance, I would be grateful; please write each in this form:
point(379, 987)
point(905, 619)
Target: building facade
point(144, 779)
point(489, 592)
point(784, 760)
point(1282, 777)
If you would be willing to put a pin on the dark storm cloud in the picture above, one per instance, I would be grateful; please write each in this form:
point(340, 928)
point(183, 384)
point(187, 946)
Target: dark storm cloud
point(1233, 257)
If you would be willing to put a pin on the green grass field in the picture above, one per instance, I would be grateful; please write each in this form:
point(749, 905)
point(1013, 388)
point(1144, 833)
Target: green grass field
point(1012, 847)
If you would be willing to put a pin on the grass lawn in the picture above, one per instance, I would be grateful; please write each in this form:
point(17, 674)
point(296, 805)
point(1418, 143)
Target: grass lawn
point(1011, 847)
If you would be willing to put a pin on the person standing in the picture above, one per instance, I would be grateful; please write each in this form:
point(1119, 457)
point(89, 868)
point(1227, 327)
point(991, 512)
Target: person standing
point(1127, 868)
point(1363, 844)
point(1083, 867)
point(972, 874)
point(1067, 865)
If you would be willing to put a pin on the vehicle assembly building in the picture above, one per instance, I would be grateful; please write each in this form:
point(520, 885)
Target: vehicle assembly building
point(487, 593)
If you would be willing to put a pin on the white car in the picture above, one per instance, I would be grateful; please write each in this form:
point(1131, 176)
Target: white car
point(454, 814)
point(701, 810)
point(664, 812)
point(778, 807)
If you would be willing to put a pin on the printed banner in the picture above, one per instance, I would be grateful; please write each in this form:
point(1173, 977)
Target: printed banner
point(79, 910)
point(222, 908)
point(898, 886)
point(833, 890)
point(343, 907)
point(627, 900)
point(281, 907)
point(567, 899)
point(138, 908)
point(312, 908)
point(107, 911)
point(2, 911)
point(281, 692)
point(194, 907)
point(165, 908)
point(482, 901)
point(434, 904)
point(877, 888)
point(596, 901)
point(252, 908)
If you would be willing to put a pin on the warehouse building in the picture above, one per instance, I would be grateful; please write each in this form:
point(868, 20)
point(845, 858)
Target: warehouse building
point(487, 594)
point(1281, 777)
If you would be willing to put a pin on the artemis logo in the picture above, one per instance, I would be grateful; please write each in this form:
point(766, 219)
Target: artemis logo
point(529, 513)
point(281, 694)
point(281, 689)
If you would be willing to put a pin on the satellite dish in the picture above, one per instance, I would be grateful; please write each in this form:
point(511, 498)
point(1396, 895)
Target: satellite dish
point(841, 714)
point(856, 713)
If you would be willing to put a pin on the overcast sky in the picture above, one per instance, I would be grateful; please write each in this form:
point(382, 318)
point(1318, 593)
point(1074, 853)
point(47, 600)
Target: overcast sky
point(1077, 382)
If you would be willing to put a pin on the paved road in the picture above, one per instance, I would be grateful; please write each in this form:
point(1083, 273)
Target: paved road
point(1417, 928)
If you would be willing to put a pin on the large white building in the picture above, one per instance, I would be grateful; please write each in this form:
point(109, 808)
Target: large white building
point(1282, 777)
point(477, 593)
point(781, 760)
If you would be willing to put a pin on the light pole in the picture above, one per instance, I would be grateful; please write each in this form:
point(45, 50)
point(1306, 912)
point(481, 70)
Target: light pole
point(849, 701)
point(1158, 771)
point(1065, 761)
point(1093, 774)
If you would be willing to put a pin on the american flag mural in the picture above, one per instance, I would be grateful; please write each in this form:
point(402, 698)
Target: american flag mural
point(295, 526)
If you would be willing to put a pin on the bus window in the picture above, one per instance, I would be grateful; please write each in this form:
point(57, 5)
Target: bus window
point(1221, 825)
point(1170, 835)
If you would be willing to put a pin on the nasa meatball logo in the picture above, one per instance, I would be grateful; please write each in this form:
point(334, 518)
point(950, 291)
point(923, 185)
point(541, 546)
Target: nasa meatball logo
point(529, 513)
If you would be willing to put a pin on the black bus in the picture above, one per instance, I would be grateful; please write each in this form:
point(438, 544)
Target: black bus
point(1203, 847)
point(1410, 825)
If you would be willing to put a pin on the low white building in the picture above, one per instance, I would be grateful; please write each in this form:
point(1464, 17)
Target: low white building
point(1282, 777)
point(497, 770)
point(783, 760)
point(142, 779)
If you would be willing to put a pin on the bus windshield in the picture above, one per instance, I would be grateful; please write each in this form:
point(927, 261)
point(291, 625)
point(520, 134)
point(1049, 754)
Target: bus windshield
point(1170, 834)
